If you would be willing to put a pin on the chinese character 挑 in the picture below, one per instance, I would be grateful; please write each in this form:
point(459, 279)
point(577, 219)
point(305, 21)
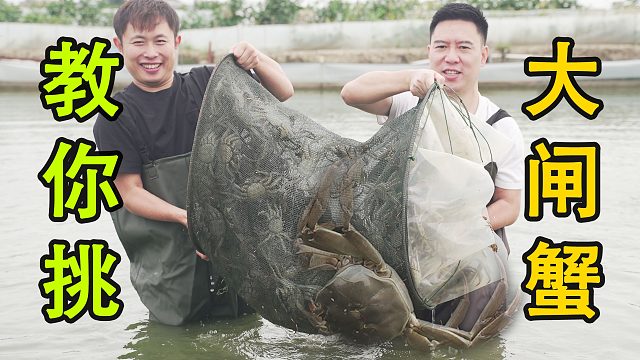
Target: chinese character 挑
point(562, 68)
point(74, 173)
point(79, 80)
point(562, 173)
point(561, 278)
point(79, 281)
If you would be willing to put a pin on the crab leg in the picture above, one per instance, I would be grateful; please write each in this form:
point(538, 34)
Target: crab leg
point(490, 310)
point(346, 191)
point(319, 259)
point(417, 340)
point(455, 337)
point(318, 205)
point(459, 313)
point(500, 322)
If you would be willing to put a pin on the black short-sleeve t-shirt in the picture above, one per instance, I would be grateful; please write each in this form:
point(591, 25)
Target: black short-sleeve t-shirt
point(154, 125)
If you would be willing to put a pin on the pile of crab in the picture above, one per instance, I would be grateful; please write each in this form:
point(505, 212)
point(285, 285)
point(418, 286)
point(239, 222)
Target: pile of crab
point(262, 205)
point(366, 299)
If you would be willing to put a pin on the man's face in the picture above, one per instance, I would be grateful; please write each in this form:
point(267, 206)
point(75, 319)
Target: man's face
point(149, 55)
point(457, 52)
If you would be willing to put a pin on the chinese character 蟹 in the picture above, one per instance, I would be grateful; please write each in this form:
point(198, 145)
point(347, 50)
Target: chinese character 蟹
point(561, 278)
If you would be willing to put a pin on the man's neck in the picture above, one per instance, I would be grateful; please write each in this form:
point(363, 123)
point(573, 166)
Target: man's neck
point(154, 88)
point(471, 100)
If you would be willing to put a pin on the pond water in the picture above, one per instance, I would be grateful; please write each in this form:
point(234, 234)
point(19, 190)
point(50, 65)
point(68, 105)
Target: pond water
point(27, 137)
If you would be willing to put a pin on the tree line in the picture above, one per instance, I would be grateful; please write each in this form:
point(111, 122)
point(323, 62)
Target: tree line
point(216, 13)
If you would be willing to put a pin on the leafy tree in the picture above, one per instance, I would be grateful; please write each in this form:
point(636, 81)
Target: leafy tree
point(215, 13)
point(60, 12)
point(388, 9)
point(91, 12)
point(212, 13)
point(336, 10)
point(276, 12)
point(80, 12)
point(9, 12)
point(523, 4)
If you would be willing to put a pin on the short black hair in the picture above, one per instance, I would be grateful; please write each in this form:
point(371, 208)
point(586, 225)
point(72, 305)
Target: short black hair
point(145, 15)
point(460, 11)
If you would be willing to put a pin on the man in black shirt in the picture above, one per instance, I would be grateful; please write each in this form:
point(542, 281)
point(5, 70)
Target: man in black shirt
point(164, 112)
point(161, 107)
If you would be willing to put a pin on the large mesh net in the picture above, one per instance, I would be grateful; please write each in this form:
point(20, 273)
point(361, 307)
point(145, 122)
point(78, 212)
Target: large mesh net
point(255, 167)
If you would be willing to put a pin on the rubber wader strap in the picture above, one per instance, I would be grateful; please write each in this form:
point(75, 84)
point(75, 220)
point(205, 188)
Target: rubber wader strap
point(492, 168)
point(499, 115)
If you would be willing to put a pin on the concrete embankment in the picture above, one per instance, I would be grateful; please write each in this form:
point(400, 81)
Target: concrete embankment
point(329, 54)
point(618, 31)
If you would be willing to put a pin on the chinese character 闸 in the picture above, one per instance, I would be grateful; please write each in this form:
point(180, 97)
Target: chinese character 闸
point(562, 173)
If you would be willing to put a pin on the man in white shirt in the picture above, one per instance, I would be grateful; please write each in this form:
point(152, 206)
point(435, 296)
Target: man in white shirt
point(457, 52)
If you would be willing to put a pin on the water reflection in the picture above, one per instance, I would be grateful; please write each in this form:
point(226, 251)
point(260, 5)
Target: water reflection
point(251, 337)
point(157, 341)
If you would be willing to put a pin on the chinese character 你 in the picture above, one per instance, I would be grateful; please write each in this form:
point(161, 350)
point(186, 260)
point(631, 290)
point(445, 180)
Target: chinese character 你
point(74, 173)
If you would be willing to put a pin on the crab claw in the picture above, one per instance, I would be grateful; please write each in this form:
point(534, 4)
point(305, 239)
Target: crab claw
point(444, 334)
point(497, 324)
point(316, 259)
point(351, 242)
point(418, 341)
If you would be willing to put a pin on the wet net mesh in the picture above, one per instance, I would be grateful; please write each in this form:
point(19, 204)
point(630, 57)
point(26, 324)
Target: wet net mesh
point(257, 164)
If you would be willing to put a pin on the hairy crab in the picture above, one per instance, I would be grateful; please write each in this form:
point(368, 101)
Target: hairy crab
point(366, 299)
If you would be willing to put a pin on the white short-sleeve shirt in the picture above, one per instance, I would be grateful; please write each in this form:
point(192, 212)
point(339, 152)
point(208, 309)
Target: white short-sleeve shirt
point(511, 167)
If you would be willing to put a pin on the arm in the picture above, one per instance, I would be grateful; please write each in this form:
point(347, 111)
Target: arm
point(505, 208)
point(143, 203)
point(268, 70)
point(372, 91)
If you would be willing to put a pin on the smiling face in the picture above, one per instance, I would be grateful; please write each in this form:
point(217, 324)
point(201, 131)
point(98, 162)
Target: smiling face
point(149, 55)
point(457, 51)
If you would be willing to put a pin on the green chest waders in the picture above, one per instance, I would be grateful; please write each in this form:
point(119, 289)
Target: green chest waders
point(171, 280)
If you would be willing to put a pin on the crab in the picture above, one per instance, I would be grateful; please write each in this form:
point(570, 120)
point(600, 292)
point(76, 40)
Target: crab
point(258, 186)
point(366, 299)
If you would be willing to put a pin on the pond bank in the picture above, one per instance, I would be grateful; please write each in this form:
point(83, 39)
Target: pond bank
point(608, 34)
point(327, 75)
